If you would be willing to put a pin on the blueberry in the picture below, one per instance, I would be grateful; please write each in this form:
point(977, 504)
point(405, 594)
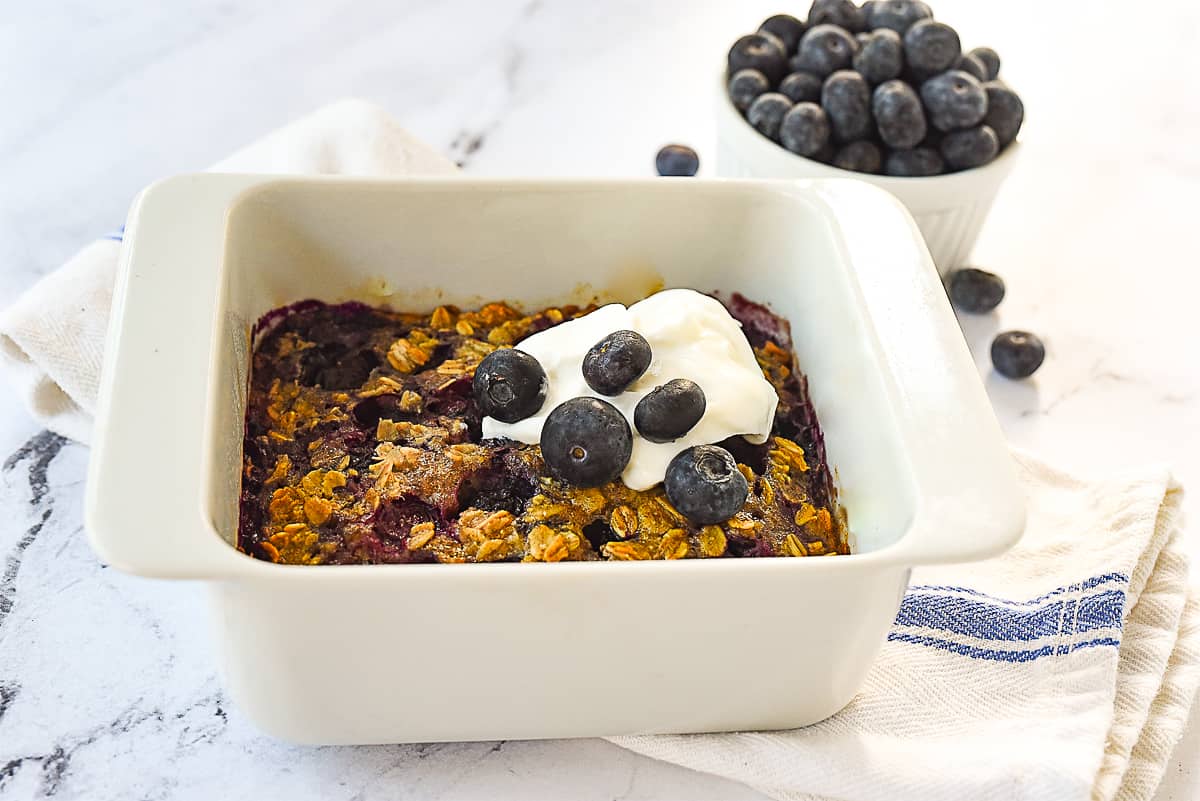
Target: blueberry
point(745, 85)
point(704, 484)
point(780, 45)
point(896, 15)
point(766, 113)
point(805, 129)
point(843, 13)
point(786, 27)
point(586, 442)
point(801, 87)
point(846, 98)
point(881, 57)
point(1005, 112)
point(668, 412)
point(677, 161)
point(825, 154)
point(954, 100)
point(973, 147)
point(862, 37)
point(757, 53)
point(930, 47)
point(861, 156)
point(509, 385)
point(824, 49)
point(976, 291)
point(990, 59)
point(1015, 354)
point(899, 117)
point(330, 366)
point(916, 163)
point(972, 66)
point(616, 361)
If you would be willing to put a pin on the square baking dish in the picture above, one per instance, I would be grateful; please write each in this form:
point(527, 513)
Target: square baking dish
point(402, 653)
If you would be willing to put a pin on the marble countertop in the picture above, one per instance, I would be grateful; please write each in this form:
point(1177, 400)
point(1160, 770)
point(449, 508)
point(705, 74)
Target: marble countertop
point(107, 687)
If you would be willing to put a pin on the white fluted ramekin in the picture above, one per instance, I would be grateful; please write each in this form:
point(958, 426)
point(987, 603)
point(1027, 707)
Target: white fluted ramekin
point(949, 209)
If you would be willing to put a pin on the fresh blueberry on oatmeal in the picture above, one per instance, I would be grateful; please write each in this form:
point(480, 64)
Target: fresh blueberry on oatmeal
point(586, 442)
point(705, 485)
point(669, 411)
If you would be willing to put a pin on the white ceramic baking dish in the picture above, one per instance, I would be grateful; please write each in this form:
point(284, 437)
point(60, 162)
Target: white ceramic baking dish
point(949, 209)
point(374, 654)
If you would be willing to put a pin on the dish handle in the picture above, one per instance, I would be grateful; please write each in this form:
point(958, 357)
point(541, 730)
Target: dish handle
point(143, 511)
point(970, 505)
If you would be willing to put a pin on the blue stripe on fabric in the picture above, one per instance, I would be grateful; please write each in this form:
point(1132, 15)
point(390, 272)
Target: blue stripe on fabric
point(990, 621)
point(1008, 627)
point(1087, 584)
point(999, 655)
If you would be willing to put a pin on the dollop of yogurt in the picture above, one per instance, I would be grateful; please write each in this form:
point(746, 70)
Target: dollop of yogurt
point(692, 336)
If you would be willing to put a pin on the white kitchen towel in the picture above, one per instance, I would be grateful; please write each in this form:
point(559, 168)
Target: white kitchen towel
point(52, 337)
point(1061, 671)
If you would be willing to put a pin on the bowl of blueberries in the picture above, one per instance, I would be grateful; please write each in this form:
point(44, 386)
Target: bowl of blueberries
point(881, 92)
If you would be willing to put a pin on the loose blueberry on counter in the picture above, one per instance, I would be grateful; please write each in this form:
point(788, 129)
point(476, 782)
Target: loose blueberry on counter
point(786, 27)
point(972, 66)
point(919, 162)
point(1016, 354)
point(616, 361)
point(745, 85)
point(990, 59)
point(766, 113)
point(1005, 112)
point(899, 117)
point(586, 442)
point(973, 147)
point(880, 57)
point(677, 161)
point(976, 291)
point(509, 385)
point(801, 87)
point(843, 13)
point(704, 484)
point(955, 101)
point(860, 156)
point(805, 130)
point(823, 50)
point(757, 52)
point(930, 47)
point(896, 15)
point(846, 98)
point(669, 411)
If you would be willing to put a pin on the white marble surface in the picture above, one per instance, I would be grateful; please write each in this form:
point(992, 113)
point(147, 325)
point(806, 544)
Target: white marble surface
point(106, 684)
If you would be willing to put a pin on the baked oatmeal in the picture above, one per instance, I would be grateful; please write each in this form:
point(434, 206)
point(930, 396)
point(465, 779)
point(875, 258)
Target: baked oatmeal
point(364, 444)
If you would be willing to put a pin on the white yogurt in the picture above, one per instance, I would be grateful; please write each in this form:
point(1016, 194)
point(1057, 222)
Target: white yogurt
point(692, 336)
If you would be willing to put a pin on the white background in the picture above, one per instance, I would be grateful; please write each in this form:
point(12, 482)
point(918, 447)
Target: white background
point(106, 687)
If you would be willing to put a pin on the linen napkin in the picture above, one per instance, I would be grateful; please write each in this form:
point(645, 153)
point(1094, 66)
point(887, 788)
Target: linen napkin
point(52, 337)
point(1063, 670)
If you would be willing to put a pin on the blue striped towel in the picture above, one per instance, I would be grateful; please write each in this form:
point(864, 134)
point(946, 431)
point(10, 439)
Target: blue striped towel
point(1061, 671)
